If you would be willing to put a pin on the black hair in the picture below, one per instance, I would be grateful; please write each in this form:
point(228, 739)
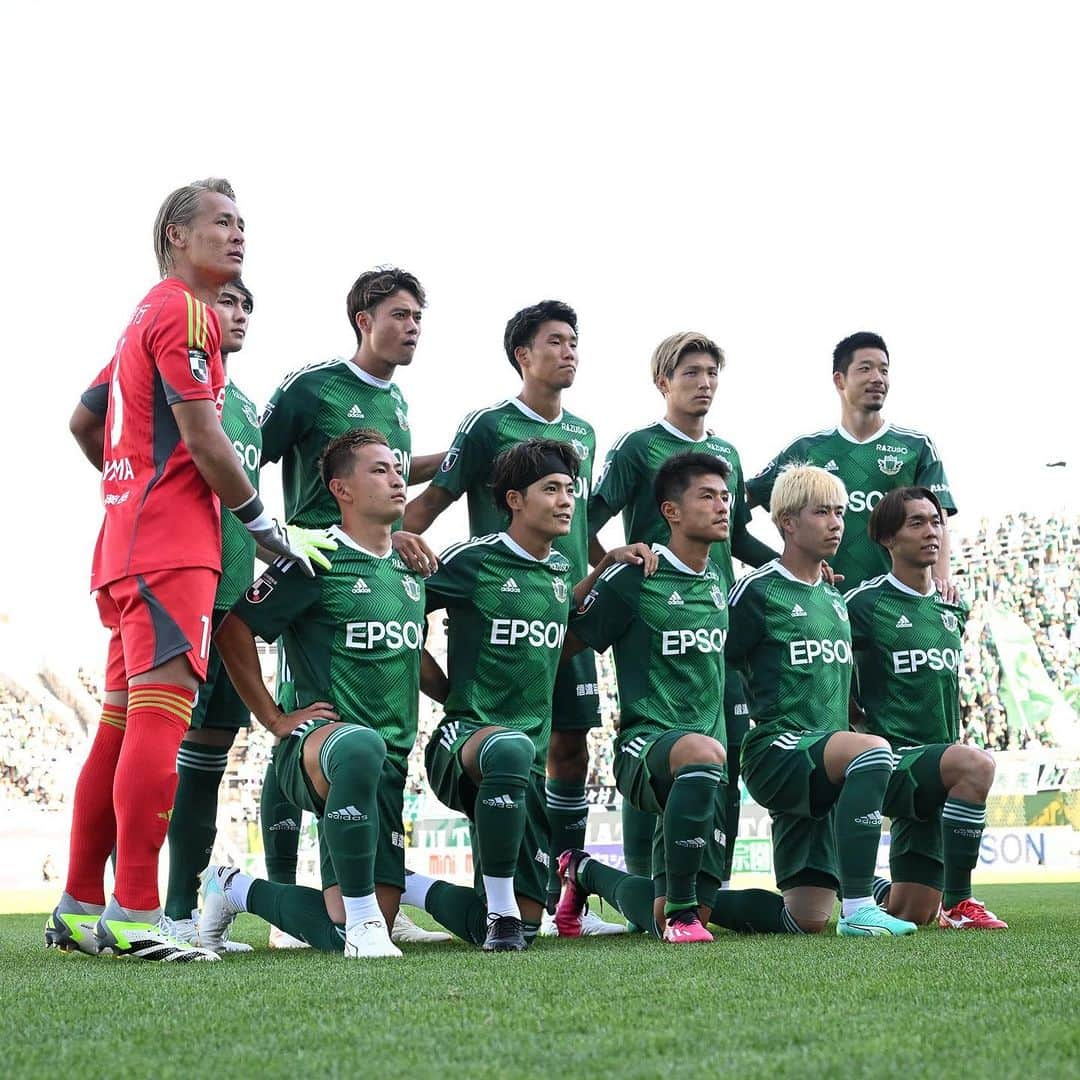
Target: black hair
point(844, 352)
point(515, 469)
point(522, 327)
point(375, 285)
point(888, 517)
point(678, 473)
point(337, 456)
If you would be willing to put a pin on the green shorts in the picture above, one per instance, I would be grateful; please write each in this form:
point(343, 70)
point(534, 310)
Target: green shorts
point(576, 704)
point(390, 851)
point(644, 780)
point(913, 804)
point(453, 786)
point(786, 775)
point(219, 706)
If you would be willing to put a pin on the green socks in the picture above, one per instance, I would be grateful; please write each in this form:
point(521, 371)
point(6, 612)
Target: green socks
point(858, 820)
point(280, 823)
point(962, 825)
point(688, 830)
point(568, 816)
point(504, 760)
point(193, 824)
point(630, 895)
point(752, 911)
point(297, 910)
point(459, 909)
point(638, 827)
point(351, 759)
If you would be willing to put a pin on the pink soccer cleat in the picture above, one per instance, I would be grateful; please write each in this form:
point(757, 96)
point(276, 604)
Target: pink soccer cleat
point(684, 927)
point(573, 898)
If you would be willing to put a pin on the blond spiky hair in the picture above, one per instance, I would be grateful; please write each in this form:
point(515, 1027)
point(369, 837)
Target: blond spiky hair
point(799, 486)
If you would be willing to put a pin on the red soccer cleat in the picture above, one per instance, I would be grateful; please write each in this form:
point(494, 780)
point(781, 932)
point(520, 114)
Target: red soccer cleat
point(970, 914)
point(573, 898)
point(684, 927)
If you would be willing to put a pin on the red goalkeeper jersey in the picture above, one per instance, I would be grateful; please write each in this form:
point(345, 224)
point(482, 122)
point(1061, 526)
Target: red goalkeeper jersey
point(159, 512)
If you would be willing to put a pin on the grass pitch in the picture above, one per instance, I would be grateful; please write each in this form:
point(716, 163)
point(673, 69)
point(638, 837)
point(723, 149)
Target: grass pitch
point(961, 1004)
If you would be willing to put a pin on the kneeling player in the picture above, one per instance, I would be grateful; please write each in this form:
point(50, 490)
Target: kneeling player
point(908, 642)
point(354, 638)
point(822, 784)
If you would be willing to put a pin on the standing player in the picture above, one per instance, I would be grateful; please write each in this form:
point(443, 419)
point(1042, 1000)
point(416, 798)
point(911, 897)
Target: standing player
point(311, 407)
point(908, 653)
point(668, 630)
point(354, 636)
point(166, 461)
point(686, 370)
point(822, 784)
point(868, 454)
point(541, 345)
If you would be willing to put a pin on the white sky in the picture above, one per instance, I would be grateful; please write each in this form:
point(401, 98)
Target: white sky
point(774, 175)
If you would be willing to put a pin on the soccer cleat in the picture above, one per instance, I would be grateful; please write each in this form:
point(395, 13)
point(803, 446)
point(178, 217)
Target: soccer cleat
point(547, 925)
point(406, 932)
point(573, 899)
point(369, 939)
point(970, 914)
point(139, 940)
point(872, 921)
point(188, 930)
point(279, 939)
point(593, 926)
point(505, 933)
point(70, 928)
point(684, 928)
point(218, 911)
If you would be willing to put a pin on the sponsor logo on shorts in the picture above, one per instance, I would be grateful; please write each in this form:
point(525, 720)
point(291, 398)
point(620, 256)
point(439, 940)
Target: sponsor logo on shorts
point(397, 839)
point(501, 802)
point(719, 837)
point(543, 858)
point(347, 813)
point(288, 825)
point(692, 842)
point(869, 819)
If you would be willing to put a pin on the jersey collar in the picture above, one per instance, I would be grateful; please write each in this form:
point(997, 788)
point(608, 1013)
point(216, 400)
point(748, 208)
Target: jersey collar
point(845, 434)
point(523, 408)
point(517, 549)
point(896, 583)
point(783, 571)
point(342, 537)
point(675, 561)
point(364, 376)
point(671, 429)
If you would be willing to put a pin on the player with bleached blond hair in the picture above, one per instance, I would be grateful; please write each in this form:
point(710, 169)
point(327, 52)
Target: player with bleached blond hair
point(822, 784)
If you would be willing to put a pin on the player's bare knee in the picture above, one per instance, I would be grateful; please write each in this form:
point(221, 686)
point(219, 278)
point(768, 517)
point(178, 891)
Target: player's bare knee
point(810, 906)
point(871, 742)
point(210, 737)
point(568, 755)
point(921, 914)
point(696, 750)
point(978, 770)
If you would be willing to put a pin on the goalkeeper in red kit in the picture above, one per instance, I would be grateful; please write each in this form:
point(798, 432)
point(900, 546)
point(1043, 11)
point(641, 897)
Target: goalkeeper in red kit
point(167, 468)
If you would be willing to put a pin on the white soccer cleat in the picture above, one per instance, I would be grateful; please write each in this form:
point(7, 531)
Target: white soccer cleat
point(218, 910)
point(188, 930)
point(406, 932)
point(369, 939)
point(593, 926)
point(547, 925)
point(279, 939)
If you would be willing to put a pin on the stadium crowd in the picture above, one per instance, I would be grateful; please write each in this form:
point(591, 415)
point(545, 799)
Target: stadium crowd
point(38, 750)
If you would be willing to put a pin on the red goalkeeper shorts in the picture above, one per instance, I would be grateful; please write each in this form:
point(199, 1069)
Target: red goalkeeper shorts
point(154, 617)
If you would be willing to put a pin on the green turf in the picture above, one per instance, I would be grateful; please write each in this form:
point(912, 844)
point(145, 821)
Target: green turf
point(940, 1004)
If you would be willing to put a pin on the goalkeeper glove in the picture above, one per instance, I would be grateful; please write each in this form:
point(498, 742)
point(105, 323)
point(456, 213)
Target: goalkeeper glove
point(270, 535)
point(313, 542)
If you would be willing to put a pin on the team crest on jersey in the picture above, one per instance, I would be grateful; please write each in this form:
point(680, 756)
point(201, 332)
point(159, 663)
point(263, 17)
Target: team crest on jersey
point(841, 611)
point(587, 602)
point(580, 449)
point(402, 419)
point(200, 365)
point(250, 413)
point(717, 595)
point(950, 622)
point(260, 590)
point(450, 460)
point(412, 590)
point(558, 585)
point(890, 464)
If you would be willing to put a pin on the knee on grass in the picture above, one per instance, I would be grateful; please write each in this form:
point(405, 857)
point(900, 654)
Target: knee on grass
point(810, 906)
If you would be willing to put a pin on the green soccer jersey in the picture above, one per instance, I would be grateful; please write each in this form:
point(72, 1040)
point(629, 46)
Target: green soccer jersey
point(507, 613)
point(240, 419)
point(792, 642)
point(353, 635)
point(668, 633)
point(894, 457)
point(313, 406)
point(626, 484)
point(485, 434)
point(908, 657)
